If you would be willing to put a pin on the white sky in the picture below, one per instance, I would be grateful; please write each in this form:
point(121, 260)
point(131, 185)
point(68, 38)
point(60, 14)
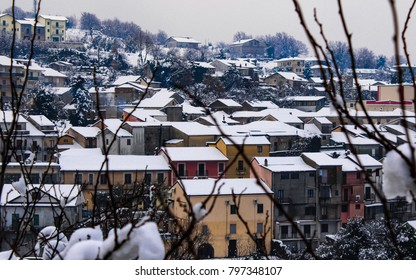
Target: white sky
point(370, 21)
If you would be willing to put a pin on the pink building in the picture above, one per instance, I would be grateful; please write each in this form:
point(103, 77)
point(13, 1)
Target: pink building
point(352, 191)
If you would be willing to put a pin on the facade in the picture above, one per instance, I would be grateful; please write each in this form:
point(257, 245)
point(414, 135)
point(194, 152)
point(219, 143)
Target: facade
point(294, 184)
point(55, 27)
point(182, 42)
point(235, 147)
point(48, 28)
point(282, 78)
point(223, 233)
point(307, 103)
point(59, 205)
point(85, 167)
point(226, 105)
point(247, 48)
point(39, 140)
point(246, 69)
point(195, 162)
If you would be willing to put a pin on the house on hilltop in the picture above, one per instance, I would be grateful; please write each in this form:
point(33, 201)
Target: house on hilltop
point(247, 48)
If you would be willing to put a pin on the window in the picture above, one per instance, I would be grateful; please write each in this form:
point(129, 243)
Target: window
point(15, 221)
point(358, 174)
point(205, 229)
point(90, 179)
point(240, 165)
point(148, 178)
point(201, 172)
point(57, 24)
point(221, 167)
point(128, 142)
point(344, 208)
point(294, 175)
point(324, 212)
point(307, 230)
point(284, 175)
point(260, 208)
point(127, 178)
point(233, 209)
point(311, 193)
point(310, 210)
point(103, 179)
point(284, 231)
point(78, 178)
point(181, 170)
point(259, 149)
point(324, 228)
point(36, 220)
point(160, 178)
point(259, 227)
point(280, 195)
point(367, 193)
point(233, 228)
point(357, 206)
point(106, 142)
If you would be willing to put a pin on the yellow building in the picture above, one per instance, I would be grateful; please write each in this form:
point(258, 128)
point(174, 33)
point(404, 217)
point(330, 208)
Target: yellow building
point(235, 147)
point(6, 23)
point(55, 27)
point(239, 218)
point(85, 167)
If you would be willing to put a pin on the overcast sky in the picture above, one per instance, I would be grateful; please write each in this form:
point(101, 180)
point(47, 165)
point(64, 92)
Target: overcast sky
point(370, 21)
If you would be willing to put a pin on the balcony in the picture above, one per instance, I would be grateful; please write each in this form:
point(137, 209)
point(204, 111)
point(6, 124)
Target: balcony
point(325, 192)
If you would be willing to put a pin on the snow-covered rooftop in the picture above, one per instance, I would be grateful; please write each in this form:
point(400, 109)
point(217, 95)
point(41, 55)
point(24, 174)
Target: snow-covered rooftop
point(57, 192)
point(58, 18)
point(284, 164)
point(184, 40)
point(88, 132)
point(246, 140)
point(125, 79)
point(92, 160)
point(194, 154)
point(42, 120)
point(49, 72)
point(202, 187)
point(228, 102)
point(114, 125)
point(340, 137)
point(291, 76)
point(322, 159)
point(263, 104)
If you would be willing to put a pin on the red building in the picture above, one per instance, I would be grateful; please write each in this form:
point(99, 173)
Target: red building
point(352, 191)
point(191, 162)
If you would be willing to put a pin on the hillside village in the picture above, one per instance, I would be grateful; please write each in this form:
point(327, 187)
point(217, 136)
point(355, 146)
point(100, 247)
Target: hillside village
point(228, 118)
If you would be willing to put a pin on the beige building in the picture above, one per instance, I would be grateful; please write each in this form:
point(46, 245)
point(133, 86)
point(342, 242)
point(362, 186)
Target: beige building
point(388, 99)
point(6, 23)
point(222, 233)
point(48, 28)
point(55, 27)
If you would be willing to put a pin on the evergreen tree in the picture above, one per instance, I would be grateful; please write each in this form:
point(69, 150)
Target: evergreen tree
point(370, 240)
point(81, 99)
point(44, 103)
point(307, 72)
